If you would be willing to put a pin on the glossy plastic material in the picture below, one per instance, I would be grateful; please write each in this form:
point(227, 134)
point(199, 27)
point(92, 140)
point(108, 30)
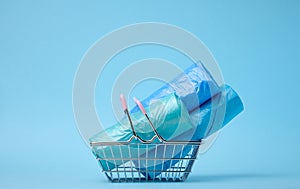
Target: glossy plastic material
point(169, 116)
point(194, 87)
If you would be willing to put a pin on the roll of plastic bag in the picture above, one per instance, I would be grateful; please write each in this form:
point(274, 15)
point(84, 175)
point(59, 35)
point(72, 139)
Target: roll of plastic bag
point(201, 118)
point(169, 116)
point(232, 104)
point(194, 87)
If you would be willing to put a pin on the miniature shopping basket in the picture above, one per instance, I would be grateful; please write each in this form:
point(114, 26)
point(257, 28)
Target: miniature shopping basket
point(138, 160)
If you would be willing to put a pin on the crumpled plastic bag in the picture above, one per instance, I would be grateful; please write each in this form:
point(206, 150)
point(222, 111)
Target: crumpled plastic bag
point(169, 116)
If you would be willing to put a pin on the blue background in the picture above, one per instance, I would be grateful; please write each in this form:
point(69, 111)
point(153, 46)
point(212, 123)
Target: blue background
point(255, 43)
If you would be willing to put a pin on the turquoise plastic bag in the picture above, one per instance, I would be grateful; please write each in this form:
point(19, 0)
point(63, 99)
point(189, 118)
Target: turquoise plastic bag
point(169, 116)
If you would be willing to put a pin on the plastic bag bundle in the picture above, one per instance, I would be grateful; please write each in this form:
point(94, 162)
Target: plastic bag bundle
point(194, 87)
point(182, 110)
point(170, 117)
point(233, 106)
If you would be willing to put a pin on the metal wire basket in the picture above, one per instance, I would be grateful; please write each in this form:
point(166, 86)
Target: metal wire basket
point(137, 160)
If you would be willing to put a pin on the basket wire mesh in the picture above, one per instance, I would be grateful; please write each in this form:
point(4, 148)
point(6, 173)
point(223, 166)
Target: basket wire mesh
point(166, 161)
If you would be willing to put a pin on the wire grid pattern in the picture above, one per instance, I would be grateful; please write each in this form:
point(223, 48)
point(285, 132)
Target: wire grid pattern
point(138, 162)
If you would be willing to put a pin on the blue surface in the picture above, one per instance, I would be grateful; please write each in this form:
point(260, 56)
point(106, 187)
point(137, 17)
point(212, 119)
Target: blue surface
point(256, 45)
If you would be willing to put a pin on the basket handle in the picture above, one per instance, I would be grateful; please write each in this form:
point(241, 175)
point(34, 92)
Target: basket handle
point(125, 108)
point(141, 107)
point(123, 102)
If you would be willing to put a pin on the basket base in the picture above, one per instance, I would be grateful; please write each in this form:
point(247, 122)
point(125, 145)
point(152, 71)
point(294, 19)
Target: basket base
point(159, 179)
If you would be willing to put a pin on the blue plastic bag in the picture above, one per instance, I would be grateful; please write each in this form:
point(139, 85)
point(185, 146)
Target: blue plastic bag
point(194, 87)
point(233, 106)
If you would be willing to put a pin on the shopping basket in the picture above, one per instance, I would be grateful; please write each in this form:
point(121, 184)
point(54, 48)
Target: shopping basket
point(156, 160)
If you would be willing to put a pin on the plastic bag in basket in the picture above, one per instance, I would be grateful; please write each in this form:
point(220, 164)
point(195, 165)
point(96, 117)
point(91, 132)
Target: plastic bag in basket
point(201, 119)
point(170, 117)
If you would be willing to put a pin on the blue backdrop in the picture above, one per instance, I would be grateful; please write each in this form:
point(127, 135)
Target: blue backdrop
point(255, 43)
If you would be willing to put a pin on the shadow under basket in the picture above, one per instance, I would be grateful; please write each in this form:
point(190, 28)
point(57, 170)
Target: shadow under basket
point(140, 161)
